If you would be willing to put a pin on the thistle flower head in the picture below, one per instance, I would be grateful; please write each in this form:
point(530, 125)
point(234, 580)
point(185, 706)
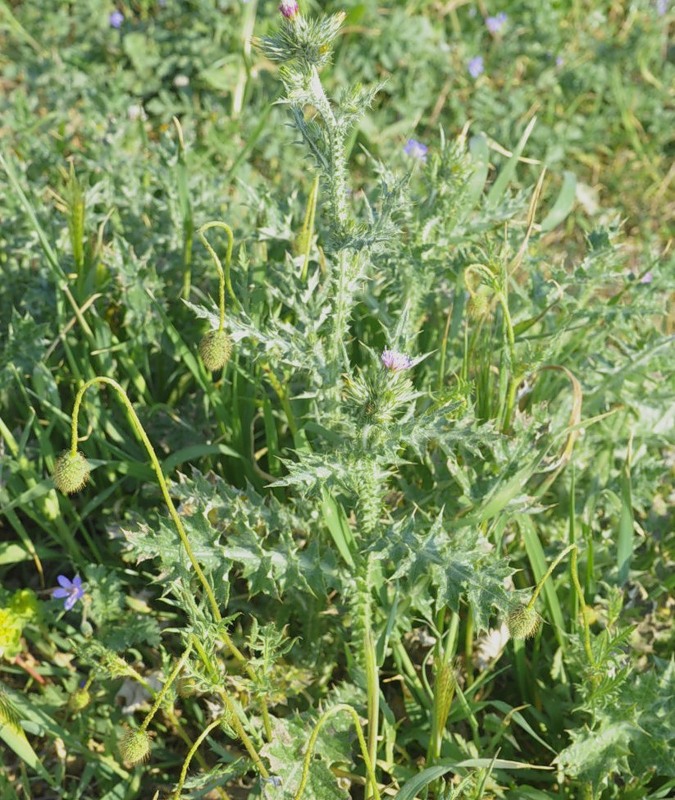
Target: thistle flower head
point(416, 150)
point(116, 19)
point(395, 361)
point(71, 472)
point(289, 8)
point(215, 349)
point(523, 622)
point(134, 746)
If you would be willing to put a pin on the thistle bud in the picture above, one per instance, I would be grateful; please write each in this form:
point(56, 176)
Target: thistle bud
point(71, 472)
point(215, 349)
point(289, 8)
point(79, 699)
point(134, 746)
point(523, 622)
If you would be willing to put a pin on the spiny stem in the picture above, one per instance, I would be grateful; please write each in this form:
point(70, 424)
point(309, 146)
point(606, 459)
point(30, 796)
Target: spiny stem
point(142, 435)
point(233, 716)
point(338, 182)
point(165, 688)
point(373, 693)
point(312, 744)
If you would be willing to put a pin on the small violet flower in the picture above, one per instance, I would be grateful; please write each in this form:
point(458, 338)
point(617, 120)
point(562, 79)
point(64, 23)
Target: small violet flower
point(475, 66)
point(662, 7)
point(416, 149)
point(69, 591)
point(289, 8)
point(395, 361)
point(495, 24)
point(116, 19)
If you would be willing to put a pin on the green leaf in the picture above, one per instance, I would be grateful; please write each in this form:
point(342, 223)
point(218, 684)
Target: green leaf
point(563, 204)
point(285, 753)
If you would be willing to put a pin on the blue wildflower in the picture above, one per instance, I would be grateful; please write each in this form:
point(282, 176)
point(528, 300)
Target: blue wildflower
point(495, 24)
point(416, 149)
point(69, 591)
point(662, 7)
point(475, 66)
point(116, 19)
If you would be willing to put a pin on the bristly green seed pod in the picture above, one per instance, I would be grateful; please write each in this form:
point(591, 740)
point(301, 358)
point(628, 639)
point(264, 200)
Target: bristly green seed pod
point(478, 305)
point(79, 699)
point(71, 472)
point(134, 746)
point(215, 349)
point(523, 622)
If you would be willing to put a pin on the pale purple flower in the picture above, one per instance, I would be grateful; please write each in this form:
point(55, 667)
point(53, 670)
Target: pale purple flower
point(475, 66)
point(289, 8)
point(495, 24)
point(559, 61)
point(116, 19)
point(395, 361)
point(648, 277)
point(662, 7)
point(69, 591)
point(416, 149)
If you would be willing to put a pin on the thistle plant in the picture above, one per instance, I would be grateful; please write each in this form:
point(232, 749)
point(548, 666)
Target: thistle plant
point(363, 501)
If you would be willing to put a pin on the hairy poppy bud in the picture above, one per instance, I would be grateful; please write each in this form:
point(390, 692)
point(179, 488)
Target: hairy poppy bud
point(79, 699)
point(215, 349)
point(71, 472)
point(523, 622)
point(134, 746)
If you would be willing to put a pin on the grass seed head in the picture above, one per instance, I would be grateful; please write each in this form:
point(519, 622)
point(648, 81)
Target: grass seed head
point(71, 472)
point(215, 349)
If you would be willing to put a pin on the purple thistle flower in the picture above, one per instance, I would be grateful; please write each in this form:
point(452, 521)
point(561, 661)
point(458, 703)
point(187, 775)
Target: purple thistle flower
point(416, 149)
point(395, 361)
point(116, 19)
point(495, 24)
point(475, 66)
point(69, 591)
point(289, 8)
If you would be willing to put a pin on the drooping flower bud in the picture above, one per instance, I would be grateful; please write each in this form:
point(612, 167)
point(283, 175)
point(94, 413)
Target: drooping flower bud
point(523, 622)
point(134, 746)
point(71, 472)
point(215, 349)
point(478, 305)
point(79, 699)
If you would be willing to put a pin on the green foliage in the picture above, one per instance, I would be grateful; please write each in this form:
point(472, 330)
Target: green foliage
point(441, 373)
